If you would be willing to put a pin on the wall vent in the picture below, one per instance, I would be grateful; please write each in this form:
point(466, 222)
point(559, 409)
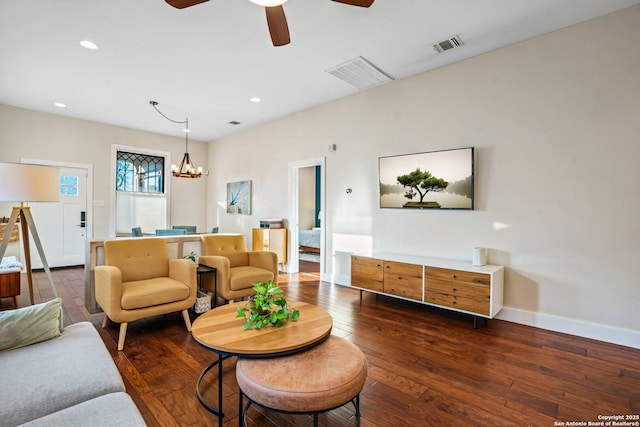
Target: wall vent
point(360, 73)
point(448, 44)
point(234, 122)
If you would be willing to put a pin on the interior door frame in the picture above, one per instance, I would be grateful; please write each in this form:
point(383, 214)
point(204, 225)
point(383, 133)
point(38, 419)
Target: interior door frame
point(88, 194)
point(294, 182)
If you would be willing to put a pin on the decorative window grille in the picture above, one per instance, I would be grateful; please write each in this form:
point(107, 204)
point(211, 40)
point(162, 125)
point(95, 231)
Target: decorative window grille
point(141, 200)
point(139, 173)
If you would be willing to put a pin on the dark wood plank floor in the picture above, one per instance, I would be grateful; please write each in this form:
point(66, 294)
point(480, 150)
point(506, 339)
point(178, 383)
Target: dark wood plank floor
point(427, 367)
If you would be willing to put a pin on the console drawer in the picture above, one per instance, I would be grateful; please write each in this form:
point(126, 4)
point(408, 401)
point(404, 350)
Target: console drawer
point(367, 273)
point(464, 289)
point(404, 280)
point(457, 302)
point(458, 276)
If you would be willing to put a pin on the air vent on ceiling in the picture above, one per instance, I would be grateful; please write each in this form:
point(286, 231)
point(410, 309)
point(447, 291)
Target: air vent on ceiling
point(448, 44)
point(360, 73)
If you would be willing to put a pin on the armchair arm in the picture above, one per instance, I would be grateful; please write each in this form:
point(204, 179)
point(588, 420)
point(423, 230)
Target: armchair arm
point(265, 260)
point(222, 266)
point(109, 289)
point(184, 270)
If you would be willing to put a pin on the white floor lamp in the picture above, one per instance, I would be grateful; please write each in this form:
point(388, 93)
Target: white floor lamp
point(28, 183)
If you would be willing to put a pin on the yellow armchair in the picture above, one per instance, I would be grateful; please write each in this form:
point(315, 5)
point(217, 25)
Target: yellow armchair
point(138, 280)
point(237, 269)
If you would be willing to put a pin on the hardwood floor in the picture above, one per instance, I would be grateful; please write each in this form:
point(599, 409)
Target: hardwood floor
point(427, 367)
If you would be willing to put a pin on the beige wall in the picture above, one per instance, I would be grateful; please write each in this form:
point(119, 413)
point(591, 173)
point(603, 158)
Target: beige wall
point(35, 135)
point(555, 122)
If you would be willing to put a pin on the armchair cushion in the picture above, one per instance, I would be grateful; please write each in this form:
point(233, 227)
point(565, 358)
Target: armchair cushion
point(247, 276)
point(147, 293)
point(137, 259)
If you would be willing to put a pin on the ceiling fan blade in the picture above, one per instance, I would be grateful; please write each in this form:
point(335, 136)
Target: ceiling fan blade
point(278, 27)
point(181, 4)
point(361, 3)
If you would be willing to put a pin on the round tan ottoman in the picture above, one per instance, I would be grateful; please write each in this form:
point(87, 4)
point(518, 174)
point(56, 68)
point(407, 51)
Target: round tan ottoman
point(322, 378)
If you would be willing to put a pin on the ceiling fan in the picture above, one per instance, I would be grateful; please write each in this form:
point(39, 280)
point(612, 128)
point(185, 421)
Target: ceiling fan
point(276, 19)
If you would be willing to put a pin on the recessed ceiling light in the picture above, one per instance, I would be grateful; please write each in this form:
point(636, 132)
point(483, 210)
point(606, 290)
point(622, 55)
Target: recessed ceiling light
point(268, 3)
point(60, 104)
point(88, 44)
point(255, 99)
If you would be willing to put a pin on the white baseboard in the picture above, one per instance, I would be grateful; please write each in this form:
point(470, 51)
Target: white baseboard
point(596, 331)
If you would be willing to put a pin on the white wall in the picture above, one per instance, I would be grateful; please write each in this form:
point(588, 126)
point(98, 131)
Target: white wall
point(555, 123)
point(36, 135)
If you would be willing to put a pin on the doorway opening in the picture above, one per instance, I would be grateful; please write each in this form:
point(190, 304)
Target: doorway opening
point(306, 216)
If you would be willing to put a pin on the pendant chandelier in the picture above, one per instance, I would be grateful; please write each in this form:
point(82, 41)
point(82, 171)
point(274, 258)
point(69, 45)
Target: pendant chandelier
point(185, 169)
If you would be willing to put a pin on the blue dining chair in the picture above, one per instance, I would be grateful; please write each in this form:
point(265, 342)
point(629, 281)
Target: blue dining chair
point(171, 232)
point(190, 229)
point(136, 232)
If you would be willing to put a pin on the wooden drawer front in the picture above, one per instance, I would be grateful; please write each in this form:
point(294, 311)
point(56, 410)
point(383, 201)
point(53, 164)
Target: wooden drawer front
point(479, 292)
point(9, 284)
point(366, 273)
point(458, 302)
point(458, 276)
point(404, 280)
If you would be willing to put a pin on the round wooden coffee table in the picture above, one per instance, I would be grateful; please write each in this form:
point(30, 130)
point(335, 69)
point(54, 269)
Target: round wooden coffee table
point(220, 331)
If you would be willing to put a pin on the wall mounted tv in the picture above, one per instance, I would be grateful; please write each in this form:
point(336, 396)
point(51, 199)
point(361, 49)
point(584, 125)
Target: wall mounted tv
point(432, 180)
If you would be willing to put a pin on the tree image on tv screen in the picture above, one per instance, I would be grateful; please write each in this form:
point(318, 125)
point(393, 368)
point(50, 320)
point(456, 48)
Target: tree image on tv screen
point(419, 182)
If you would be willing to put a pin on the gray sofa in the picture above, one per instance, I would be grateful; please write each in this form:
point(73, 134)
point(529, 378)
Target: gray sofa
point(68, 380)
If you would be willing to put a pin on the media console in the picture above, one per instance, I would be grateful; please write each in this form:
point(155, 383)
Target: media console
point(453, 285)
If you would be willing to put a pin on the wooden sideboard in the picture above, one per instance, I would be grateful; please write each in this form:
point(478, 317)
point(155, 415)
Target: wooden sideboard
point(454, 285)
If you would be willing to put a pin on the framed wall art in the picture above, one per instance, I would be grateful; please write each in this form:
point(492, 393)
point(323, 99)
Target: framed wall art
point(431, 180)
point(239, 197)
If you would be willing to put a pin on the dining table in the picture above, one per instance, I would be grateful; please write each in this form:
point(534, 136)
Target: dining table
point(222, 332)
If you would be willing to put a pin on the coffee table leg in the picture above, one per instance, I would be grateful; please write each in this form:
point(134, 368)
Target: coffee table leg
point(216, 411)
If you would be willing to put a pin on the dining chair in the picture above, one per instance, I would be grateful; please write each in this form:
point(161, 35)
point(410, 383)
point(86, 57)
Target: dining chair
point(171, 232)
point(136, 232)
point(190, 229)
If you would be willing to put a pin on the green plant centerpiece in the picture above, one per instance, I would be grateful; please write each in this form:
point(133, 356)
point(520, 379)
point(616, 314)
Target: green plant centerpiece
point(267, 307)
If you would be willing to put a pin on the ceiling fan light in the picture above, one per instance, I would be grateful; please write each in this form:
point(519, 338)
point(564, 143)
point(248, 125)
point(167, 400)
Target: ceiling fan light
point(268, 3)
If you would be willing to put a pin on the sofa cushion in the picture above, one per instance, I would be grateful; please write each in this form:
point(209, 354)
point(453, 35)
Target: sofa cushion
point(245, 277)
point(113, 409)
point(30, 325)
point(147, 293)
point(43, 378)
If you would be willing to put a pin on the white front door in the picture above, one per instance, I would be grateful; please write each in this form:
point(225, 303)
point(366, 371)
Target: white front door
point(62, 226)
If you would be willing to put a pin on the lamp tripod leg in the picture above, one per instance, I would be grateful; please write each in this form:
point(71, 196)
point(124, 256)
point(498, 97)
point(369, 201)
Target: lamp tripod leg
point(27, 252)
point(26, 212)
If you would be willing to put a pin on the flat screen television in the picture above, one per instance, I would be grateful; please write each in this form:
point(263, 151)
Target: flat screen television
point(431, 180)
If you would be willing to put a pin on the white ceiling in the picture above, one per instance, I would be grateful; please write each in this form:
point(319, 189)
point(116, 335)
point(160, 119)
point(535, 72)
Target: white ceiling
point(205, 62)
